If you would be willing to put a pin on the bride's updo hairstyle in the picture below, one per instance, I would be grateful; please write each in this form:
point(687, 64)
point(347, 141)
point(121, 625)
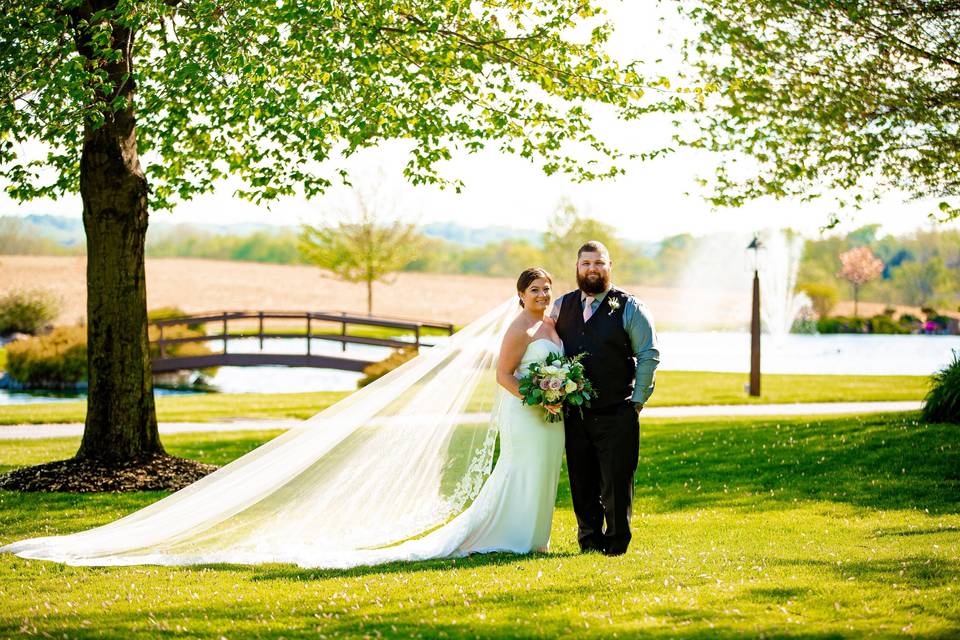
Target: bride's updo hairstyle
point(527, 276)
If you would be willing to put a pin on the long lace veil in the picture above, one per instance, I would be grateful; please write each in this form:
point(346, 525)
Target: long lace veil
point(389, 462)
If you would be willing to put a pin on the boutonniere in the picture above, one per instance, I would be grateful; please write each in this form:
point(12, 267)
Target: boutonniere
point(614, 304)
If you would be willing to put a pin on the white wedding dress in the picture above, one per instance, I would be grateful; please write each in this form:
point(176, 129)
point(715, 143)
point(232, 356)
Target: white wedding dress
point(397, 471)
point(514, 509)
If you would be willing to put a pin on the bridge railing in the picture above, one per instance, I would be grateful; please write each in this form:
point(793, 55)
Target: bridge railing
point(344, 319)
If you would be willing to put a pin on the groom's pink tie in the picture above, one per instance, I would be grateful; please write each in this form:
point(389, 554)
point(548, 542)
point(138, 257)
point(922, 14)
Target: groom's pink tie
point(587, 308)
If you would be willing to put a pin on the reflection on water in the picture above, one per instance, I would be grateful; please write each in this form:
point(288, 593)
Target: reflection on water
point(679, 351)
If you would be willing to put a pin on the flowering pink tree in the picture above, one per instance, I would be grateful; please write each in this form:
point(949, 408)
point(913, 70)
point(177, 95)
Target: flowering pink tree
point(860, 266)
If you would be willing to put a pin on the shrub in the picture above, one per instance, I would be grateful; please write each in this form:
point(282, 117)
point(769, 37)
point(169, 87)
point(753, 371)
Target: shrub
point(168, 313)
point(828, 325)
point(880, 323)
point(942, 403)
point(59, 359)
point(885, 324)
point(842, 324)
point(179, 349)
point(822, 296)
point(27, 311)
point(379, 369)
point(939, 322)
point(178, 331)
point(56, 359)
point(805, 322)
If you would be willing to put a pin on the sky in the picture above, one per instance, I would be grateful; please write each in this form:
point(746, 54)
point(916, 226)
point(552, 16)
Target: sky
point(653, 200)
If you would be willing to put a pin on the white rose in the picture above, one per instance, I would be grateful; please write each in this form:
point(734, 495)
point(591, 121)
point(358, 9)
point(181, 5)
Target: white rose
point(570, 387)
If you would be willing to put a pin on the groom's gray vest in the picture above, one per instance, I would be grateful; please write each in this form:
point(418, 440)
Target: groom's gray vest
point(610, 364)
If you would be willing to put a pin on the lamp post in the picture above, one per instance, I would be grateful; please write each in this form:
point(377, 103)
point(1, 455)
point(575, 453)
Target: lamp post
point(754, 387)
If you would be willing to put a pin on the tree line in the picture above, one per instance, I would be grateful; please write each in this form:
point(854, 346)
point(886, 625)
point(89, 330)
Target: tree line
point(920, 268)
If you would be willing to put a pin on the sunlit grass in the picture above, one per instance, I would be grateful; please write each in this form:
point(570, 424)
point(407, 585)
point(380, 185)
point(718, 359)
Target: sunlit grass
point(673, 388)
point(761, 527)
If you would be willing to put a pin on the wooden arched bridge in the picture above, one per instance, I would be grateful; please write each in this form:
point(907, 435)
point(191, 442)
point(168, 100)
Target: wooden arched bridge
point(253, 327)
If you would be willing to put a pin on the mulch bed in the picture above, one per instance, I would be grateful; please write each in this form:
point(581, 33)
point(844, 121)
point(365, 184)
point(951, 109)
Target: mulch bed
point(153, 473)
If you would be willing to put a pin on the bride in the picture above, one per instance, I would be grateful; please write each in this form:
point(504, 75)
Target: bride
point(398, 471)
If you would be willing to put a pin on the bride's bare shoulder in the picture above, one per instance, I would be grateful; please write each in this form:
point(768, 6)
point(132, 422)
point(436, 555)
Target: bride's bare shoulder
point(519, 327)
point(515, 339)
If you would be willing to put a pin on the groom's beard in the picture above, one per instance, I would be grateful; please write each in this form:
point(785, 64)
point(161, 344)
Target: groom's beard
point(593, 284)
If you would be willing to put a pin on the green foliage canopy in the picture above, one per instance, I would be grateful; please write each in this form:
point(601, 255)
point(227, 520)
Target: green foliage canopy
point(830, 97)
point(268, 90)
point(923, 283)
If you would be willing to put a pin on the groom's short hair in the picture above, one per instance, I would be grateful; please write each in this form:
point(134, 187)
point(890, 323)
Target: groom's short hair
point(593, 246)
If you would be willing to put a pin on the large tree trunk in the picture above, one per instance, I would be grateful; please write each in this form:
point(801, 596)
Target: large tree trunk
point(121, 419)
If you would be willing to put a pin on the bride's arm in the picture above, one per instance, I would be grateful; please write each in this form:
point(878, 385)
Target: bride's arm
point(511, 352)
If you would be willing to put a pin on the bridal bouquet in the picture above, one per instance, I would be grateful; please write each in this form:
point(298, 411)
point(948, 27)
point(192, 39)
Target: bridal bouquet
point(556, 381)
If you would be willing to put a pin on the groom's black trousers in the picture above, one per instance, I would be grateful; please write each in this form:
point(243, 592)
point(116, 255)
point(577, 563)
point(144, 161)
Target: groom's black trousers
point(602, 453)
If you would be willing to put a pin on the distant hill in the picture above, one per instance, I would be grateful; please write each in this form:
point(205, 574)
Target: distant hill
point(65, 231)
point(478, 237)
point(68, 232)
point(61, 235)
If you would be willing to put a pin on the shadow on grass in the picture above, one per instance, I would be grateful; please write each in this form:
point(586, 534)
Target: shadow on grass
point(777, 594)
point(876, 461)
point(475, 561)
point(290, 572)
point(914, 532)
point(921, 572)
point(493, 615)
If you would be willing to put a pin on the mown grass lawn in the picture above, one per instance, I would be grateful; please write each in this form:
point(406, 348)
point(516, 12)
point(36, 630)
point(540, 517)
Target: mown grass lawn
point(673, 388)
point(834, 527)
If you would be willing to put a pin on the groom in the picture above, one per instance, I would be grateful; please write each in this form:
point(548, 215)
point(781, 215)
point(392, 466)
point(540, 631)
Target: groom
point(616, 331)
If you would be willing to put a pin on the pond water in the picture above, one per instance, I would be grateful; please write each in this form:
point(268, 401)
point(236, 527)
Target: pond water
point(918, 355)
point(680, 351)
